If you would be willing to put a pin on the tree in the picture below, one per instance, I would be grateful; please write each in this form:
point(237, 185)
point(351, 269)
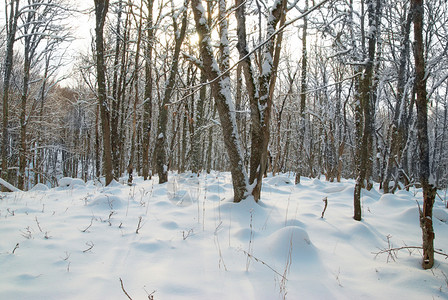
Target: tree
point(429, 191)
point(12, 16)
point(101, 7)
point(40, 35)
point(160, 159)
point(220, 87)
point(130, 168)
point(147, 104)
point(260, 96)
point(398, 134)
point(364, 104)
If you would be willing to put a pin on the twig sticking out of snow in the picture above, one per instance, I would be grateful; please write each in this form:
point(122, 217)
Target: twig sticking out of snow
point(139, 225)
point(15, 248)
point(124, 291)
point(325, 200)
point(91, 221)
point(38, 225)
point(90, 244)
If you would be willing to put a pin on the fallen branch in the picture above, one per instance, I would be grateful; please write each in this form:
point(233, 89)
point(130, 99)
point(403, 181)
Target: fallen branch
point(124, 291)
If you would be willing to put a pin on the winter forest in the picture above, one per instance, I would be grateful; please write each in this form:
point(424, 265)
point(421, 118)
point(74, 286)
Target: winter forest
point(332, 90)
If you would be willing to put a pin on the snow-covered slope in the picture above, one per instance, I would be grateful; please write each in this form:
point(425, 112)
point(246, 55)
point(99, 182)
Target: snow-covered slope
point(78, 240)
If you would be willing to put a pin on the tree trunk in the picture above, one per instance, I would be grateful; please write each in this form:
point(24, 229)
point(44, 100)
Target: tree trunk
point(147, 105)
point(429, 191)
point(101, 7)
point(130, 167)
point(303, 93)
point(363, 110)
point(197, 128)
point(97, 144)
point(118, 87)
point(23, 123)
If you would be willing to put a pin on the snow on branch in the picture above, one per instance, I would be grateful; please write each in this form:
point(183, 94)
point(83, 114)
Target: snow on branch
point(9, 186)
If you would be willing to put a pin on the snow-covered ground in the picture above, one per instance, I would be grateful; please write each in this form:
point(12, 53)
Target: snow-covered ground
point(77, 241)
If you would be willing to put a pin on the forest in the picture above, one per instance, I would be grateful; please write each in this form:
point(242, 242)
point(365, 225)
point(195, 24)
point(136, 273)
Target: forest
point(334, 89)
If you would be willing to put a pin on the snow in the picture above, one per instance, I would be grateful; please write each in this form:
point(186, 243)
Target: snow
point(77, 242)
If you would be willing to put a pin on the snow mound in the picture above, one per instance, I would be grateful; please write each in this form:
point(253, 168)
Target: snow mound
point(279, 181)
point(244, 234)
point(294, 240)
point(393, 200)
point(215, 188)
point(440, 214)
point(182, 198)
point(362, 232)
point(115, 184)
point(40, 187)
point(107, 202)
point(409, 216)
point(334, 189)
point(71, 182)
point(317, 183)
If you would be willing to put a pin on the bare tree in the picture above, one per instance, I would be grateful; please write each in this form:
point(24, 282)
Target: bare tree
point(261, 95)
point(220, 87)
point(12, 16)
point(139, 20)
point(160, 151)
point(398, 131)
point(147, 105)
point(429, 191)
point(41, 33)
point(364, 108)
point(101, 8)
